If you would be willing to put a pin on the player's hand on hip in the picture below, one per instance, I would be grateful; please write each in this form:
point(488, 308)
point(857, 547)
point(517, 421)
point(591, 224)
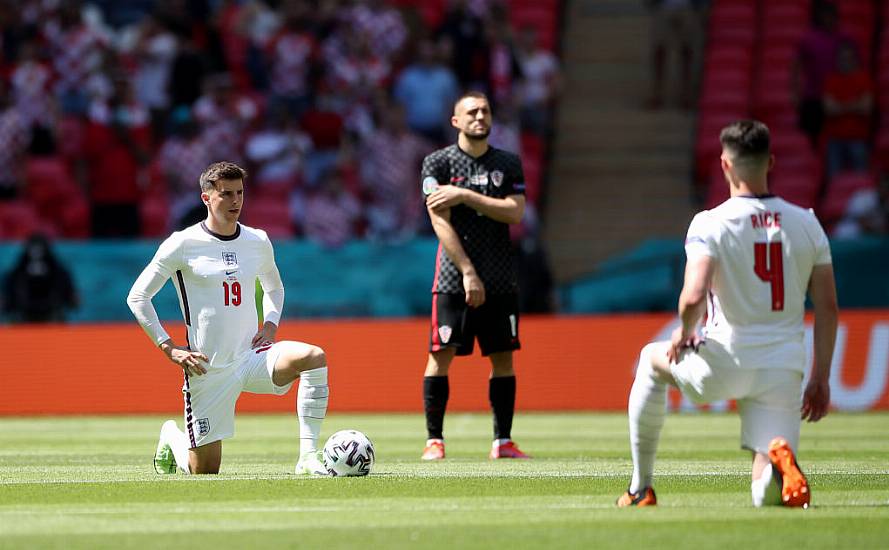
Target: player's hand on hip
point(192, 362)
point(679, 342)
point(445, 196)
point(264, 336)
point(474, 289)
point(816, 400)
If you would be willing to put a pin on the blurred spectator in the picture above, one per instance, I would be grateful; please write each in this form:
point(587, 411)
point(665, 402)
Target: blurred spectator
point(182, 159)
point(675, 27)
point(38, 289)
point(324, 126)
point(540, 84)
point(464, 32)
point(14, 139)
point(391, 161)
point(382, 24)
point(535, 278)
point(506, 132)
point(155, 51)
point(225, 116)
point(12, 34)
point(354, 76)
point(115, 154)
point(428, 90)
point(30, 88)
point(77, 50)
point(867, 213)
point(277, 151)
point(848, 108)
point(816, 57)
point(292, 54)
point(331, 212)
point(186, 74)
point(502, 63)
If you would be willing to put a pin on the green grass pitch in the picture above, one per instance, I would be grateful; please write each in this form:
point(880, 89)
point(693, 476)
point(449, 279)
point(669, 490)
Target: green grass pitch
point(88, 483)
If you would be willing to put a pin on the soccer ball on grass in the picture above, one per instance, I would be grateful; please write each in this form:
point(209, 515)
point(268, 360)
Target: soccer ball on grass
point(348, 453)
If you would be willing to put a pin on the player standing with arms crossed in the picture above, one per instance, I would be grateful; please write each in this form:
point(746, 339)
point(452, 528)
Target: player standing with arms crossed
point(751, 261)
point(214, 266)
point(473, 192)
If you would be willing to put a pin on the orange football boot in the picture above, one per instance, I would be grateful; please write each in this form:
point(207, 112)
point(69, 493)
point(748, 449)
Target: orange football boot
point(645, 497)
point(434, 450)
point(507, 450)
point(795, 488)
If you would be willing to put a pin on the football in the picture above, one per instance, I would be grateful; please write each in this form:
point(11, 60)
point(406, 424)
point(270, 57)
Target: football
point(348, 453)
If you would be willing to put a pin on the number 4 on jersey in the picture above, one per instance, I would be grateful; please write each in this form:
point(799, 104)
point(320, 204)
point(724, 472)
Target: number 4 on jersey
point(769, 266)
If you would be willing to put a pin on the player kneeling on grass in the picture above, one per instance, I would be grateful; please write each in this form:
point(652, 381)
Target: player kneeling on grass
point(214, 266)
point(751, 261)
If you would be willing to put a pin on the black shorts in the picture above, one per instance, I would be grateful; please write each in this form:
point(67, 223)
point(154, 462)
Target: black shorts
point(454, 324)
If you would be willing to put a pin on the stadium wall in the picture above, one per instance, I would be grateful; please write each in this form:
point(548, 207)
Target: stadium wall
point(568, 363)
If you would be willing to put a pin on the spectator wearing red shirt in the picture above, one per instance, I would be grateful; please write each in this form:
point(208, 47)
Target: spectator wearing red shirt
point(848, 107)
point(183, 157)
point(292, 54)
point(115, 153)
point(391, 158)
point(76, 50)
point(332, 212)
point(14, 137)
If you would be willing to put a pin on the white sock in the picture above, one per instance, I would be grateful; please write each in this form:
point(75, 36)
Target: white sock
point(647, 409)
point(500, 442)
point(178, 442)
point(766, 491)
point(311, 407)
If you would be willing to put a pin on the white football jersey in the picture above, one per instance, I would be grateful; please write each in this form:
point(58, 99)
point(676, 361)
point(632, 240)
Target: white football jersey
point(214, 276)
point(765, 249)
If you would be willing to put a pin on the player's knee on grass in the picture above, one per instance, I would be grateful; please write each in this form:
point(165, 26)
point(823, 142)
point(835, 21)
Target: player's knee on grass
point(205, 459)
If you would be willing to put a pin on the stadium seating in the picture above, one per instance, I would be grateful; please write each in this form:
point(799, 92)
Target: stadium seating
point(272, 214)
point(766, 62)
point(19, 219)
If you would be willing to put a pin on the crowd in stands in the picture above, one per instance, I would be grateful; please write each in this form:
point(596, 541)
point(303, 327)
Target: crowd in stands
point(109, 111)
point(817, 72)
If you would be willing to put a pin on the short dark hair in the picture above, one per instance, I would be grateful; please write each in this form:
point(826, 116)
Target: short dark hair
point(471, 93)
point(746, 139)
point(221, 171)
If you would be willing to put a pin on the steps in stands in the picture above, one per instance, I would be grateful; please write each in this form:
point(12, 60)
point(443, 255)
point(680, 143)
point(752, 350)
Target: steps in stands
point(619, 173)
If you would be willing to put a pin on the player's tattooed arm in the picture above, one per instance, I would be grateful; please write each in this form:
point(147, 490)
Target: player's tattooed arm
point(190, 361)
point(473, 286)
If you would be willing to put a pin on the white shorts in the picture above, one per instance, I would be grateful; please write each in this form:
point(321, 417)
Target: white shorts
point(210, 398)
point(768, 399)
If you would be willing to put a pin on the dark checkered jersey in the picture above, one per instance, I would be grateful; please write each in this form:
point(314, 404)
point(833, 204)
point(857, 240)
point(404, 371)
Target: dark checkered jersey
point(497, 173)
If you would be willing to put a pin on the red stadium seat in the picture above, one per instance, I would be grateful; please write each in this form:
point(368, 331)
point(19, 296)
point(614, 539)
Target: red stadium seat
point(881, 148)
point(19, 220)
point(795, 188)
point(55, 194)
point(155, 212)
point(275, 190)
point(73, 220)
point(272, 215)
